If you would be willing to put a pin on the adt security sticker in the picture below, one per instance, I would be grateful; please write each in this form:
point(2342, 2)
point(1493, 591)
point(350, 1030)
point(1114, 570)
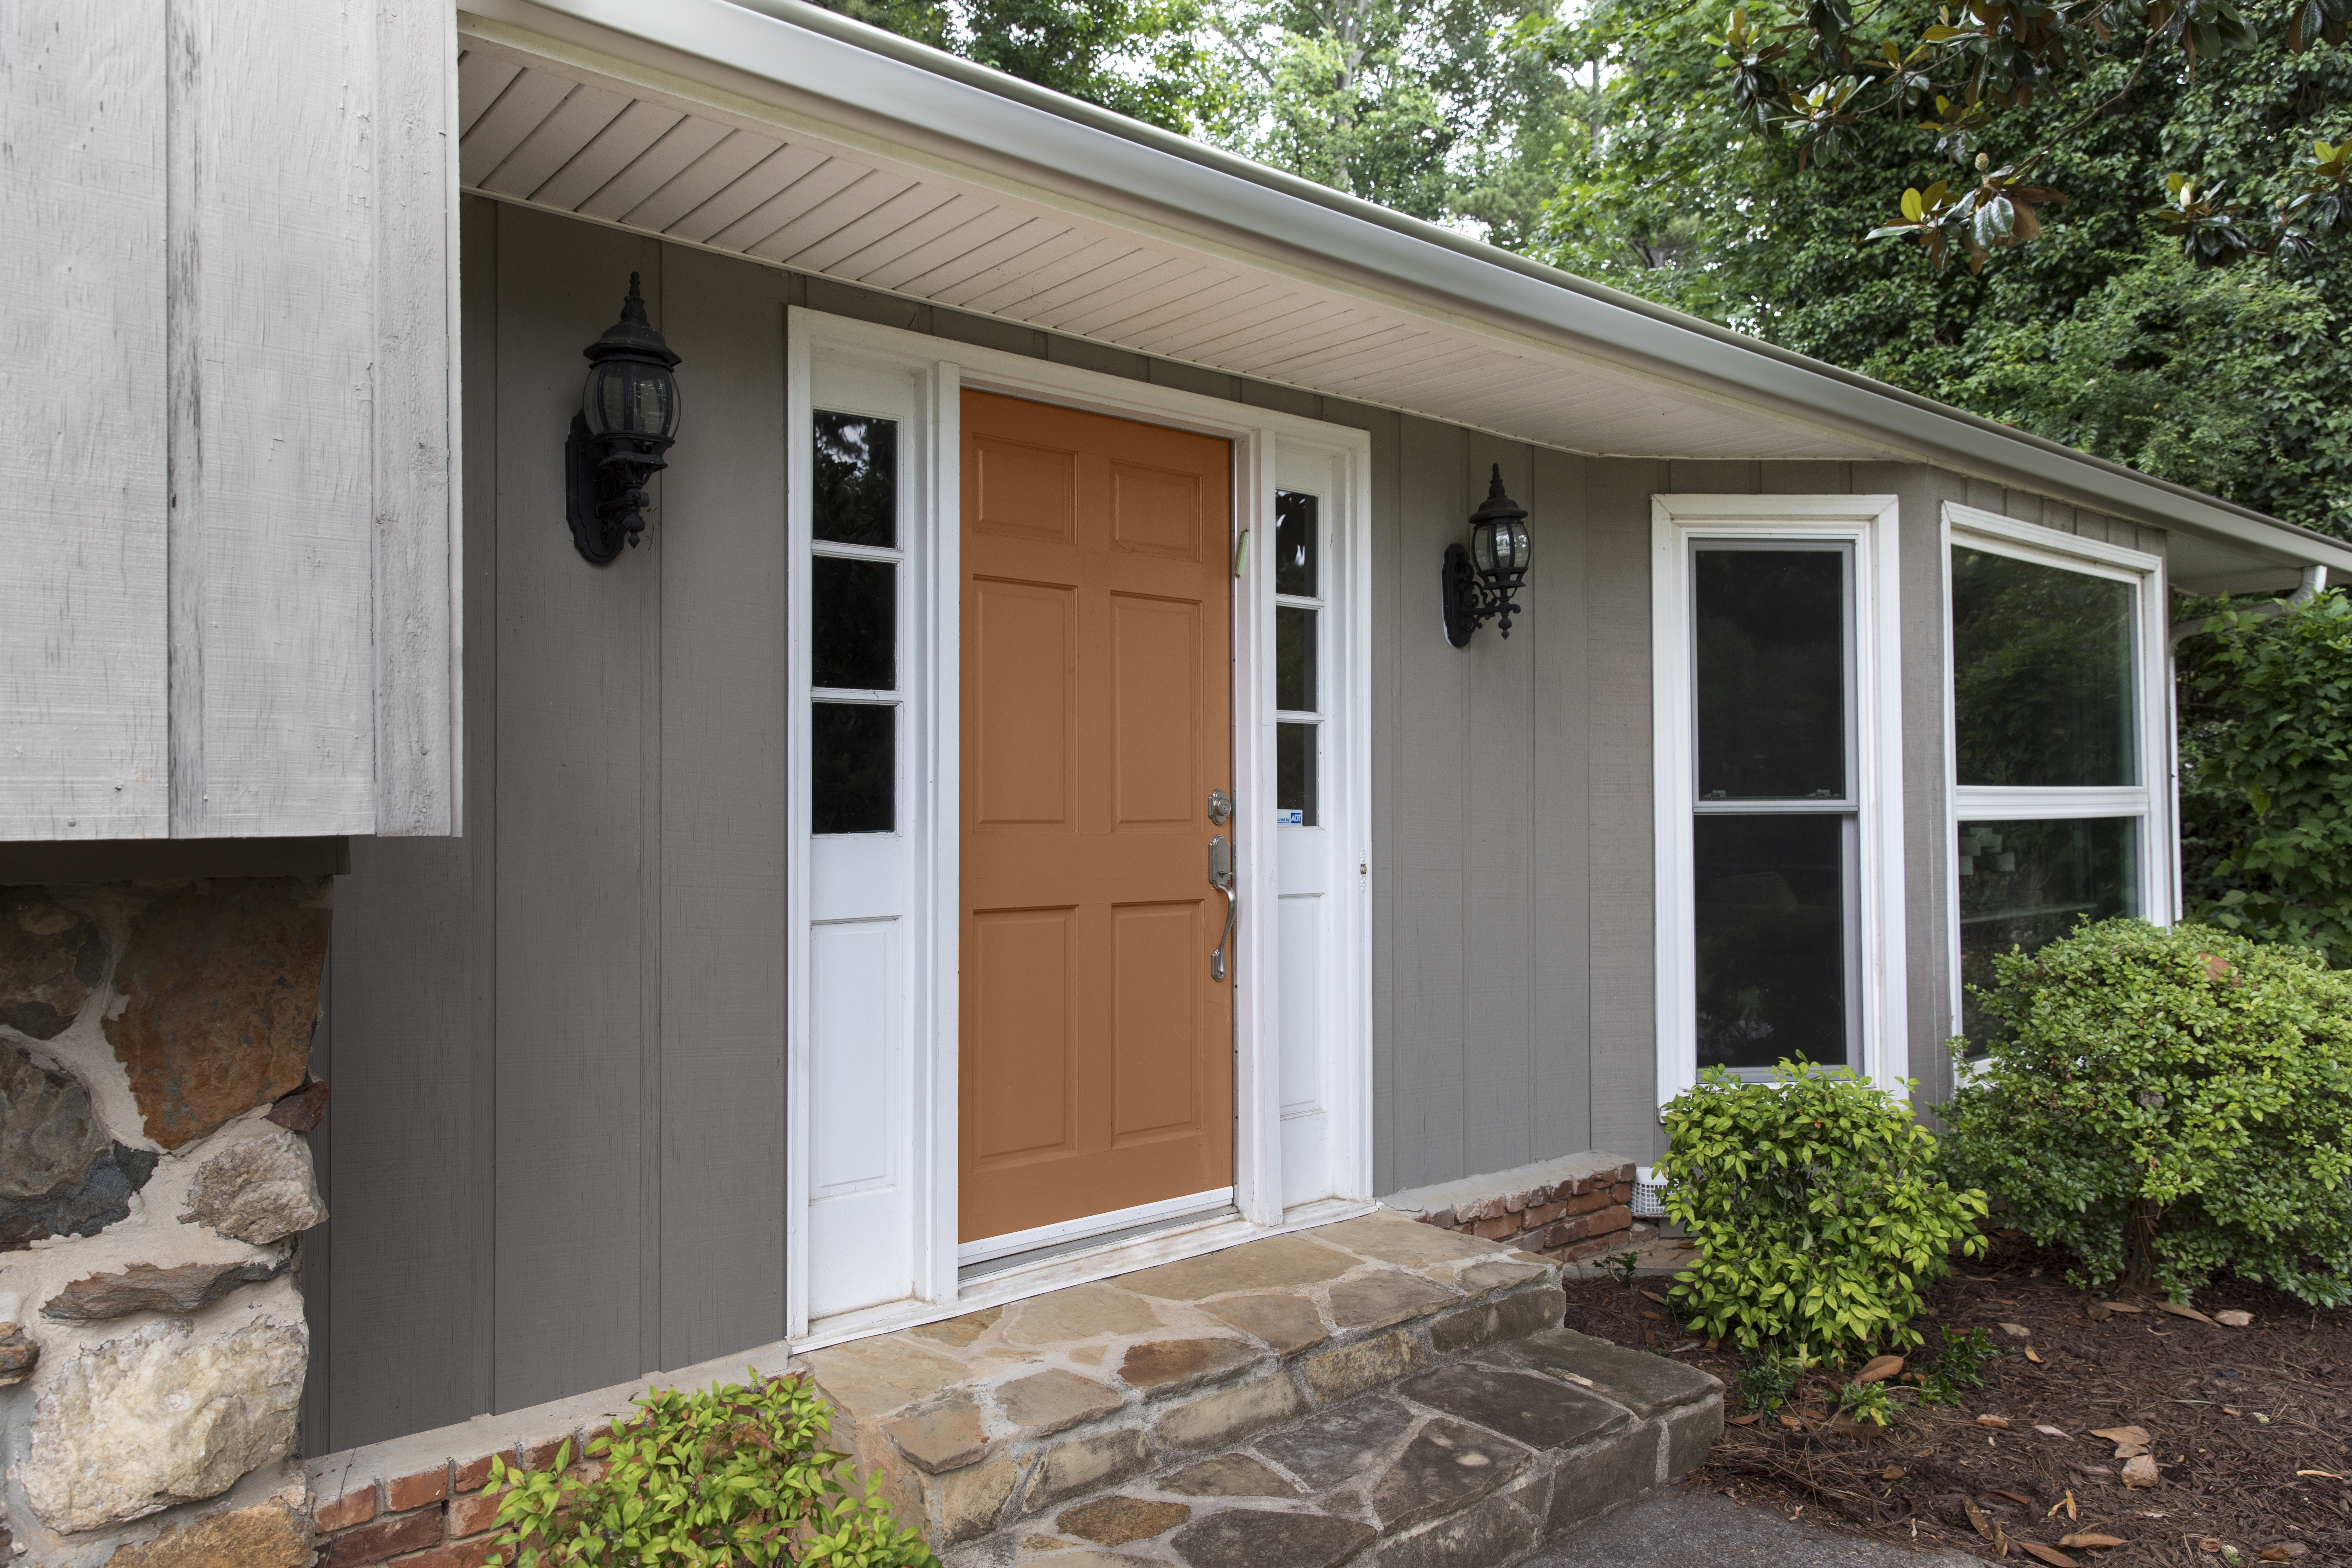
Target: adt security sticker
point(1290, 819)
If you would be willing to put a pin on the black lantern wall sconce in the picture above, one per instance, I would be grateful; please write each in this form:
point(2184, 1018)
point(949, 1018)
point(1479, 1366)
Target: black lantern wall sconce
point(628, 419)
point(1478, 583)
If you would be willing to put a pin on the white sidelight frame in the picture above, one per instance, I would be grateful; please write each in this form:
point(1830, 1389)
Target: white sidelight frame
point(2154, 801)
point(1868, 525)
point(906, 1228)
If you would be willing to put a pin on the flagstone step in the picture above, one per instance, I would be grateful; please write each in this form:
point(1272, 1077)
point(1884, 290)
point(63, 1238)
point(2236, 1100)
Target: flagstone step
point(1376, 1390)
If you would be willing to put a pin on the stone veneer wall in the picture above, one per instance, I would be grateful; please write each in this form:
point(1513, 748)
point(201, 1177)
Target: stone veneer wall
point(1567, 1210)
point(155, 1059)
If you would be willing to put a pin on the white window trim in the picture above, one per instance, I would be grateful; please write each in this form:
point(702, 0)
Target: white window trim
point(2156, 801)
point(1868, 524)
point(929, 763)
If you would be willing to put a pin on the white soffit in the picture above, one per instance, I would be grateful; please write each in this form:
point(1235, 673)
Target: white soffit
point(709, 123)
point(544, 126)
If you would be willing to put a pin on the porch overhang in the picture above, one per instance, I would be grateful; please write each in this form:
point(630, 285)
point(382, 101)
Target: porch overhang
point(791, 136)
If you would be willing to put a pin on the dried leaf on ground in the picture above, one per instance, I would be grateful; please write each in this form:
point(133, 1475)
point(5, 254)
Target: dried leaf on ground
point(2140, 1471)
point(2032, 1357)
point(2000, 1421)
point(1891, 1473)
point(2284, 1551)
point(2233, 1319)
point(1976, 1517)
point(1878, 1369)
point(2049, 1431)
point(2179, 1310)
point(1750, 1419)
point(2017, 1331)
point(2092, 1538)
point(2050, 1554)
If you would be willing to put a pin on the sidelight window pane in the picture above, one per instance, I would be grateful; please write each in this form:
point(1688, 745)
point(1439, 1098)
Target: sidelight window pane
point(1294, 773)
point(1294, 660)
point(2024, 884)
point(1771, 674)
point(1772, 939)
point(854, 774)
point(854, 480)
point(1297, 544)
point(2042, 674)
point(854, 624)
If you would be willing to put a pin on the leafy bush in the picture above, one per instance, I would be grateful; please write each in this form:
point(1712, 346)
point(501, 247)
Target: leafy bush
point(1818, 1215)
point(733, 1477)
point(2168, 1103)
point(1954, 1369)
point(2266, 754)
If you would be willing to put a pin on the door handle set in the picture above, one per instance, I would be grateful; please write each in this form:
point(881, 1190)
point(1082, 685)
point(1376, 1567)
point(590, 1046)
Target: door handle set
point(1220, 876)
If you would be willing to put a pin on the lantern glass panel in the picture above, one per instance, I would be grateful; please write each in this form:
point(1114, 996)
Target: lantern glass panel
point(1520, 546)
point(631, 398)
point(1482, 547)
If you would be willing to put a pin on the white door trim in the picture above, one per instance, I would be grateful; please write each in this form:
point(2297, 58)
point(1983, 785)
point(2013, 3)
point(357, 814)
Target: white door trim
point(943, 370)
point(1868, 524)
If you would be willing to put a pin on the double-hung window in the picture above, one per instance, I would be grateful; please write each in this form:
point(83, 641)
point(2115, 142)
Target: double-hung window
point(1779, 861)
point(2061, 754)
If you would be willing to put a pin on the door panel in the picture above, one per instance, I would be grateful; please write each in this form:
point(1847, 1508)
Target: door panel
point(1097, 1053)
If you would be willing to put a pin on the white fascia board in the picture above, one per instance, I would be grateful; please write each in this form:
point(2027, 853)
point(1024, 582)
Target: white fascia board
point(876, 84)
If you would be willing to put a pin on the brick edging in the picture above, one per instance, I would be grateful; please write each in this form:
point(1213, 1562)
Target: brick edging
point(1565, 1221)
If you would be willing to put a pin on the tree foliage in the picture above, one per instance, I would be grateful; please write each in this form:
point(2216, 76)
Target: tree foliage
point(2266, 775)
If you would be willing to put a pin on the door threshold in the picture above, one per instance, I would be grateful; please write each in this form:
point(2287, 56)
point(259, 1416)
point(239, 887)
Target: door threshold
point(1064, 1235)
point(1096, 1257)
point(1042, 1252)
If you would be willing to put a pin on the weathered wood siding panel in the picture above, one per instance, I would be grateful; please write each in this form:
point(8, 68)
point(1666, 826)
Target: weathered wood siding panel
point(1559, 625)
point(236, 215)
point(83, 657)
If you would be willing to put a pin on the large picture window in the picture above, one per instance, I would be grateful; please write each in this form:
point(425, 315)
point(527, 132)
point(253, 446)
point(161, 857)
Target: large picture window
point(1779, 785)
point(2060, 767)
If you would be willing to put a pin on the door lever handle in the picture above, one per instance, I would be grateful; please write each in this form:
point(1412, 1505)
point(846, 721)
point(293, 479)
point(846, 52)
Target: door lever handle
point(1220, 876)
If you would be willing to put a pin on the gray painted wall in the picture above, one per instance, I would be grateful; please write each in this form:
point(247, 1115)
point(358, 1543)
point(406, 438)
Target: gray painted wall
point(556, 1156)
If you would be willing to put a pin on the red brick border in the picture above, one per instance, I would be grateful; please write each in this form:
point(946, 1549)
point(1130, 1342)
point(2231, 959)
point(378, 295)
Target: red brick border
point(1564, 1221)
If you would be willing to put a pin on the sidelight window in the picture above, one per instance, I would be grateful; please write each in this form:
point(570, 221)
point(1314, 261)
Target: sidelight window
point(2057, 737)
point(854, 616)
point(1297, 657)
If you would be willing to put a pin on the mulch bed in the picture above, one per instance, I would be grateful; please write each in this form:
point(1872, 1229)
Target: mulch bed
point(2240, 1420)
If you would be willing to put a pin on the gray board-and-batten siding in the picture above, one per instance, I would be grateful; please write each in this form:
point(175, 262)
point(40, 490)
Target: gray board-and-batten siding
point(555, 1161)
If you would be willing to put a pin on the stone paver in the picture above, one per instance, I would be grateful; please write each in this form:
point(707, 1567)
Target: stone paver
point(1055, 1401)
point(1279, 1261)
point(1381, 1301)
point(1447, 1466)
point(1674, 1529)
point(959, 1332)
point(1249, 1538)
point(1406, 1244)
point(1533, 1410)
point(875, 1378)
point(1227, 1475)
point(1342, 1373)
point(1169, 1363)
point(1643, 1383)
point(1081, 1313)
point(1332, 1445)
point(945, 1438)
point(1288, 1323)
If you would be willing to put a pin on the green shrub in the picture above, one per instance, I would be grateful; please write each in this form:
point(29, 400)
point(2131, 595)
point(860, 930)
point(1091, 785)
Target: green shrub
point(733, 1477)
point(2166, 1104)
point(1818, 1215)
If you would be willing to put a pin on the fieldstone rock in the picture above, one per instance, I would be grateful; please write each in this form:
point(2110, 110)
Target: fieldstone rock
point(1380, 1300)
point(50, 961)
point(946, 1438)
point(1230, 1413)
point(1387, 1239)
point(874, 1377)
point(260, 1188)
point(1116, 1520)
point(1083, 1464)
point(143, 1288)
point(221, 988)
point(50, 1137)
point(19, 1354)
point(263, 1537)
point(1343, 1373)
point(303, 1110)
point(164, 1414)
point(958, 1332)
point(1169, 1363)
point(102, 1198)
point(1279, 1262)
point(1535, 1410)
point(1080, 1312)
point(1332, 1445)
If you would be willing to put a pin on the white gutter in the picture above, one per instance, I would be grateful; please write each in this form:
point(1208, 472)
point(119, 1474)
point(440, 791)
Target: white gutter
point(875, 79)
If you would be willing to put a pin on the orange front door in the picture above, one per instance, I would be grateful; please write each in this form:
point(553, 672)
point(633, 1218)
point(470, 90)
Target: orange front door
point(1097, 715)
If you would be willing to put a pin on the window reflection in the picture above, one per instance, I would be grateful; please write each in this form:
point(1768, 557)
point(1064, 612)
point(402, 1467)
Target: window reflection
point(1772, 939)
point(2024, 884)
point(1772, 676)
point(1294, 773)
point(1294, 660)
point(2042, 674)
point(1297, 568)
point(854, 480)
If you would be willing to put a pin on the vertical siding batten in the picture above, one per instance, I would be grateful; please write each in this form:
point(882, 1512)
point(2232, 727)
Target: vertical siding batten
point(1561, 1096)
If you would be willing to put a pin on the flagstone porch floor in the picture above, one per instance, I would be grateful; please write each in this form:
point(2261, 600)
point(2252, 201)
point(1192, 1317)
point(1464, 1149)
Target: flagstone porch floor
point(1375, 1390)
